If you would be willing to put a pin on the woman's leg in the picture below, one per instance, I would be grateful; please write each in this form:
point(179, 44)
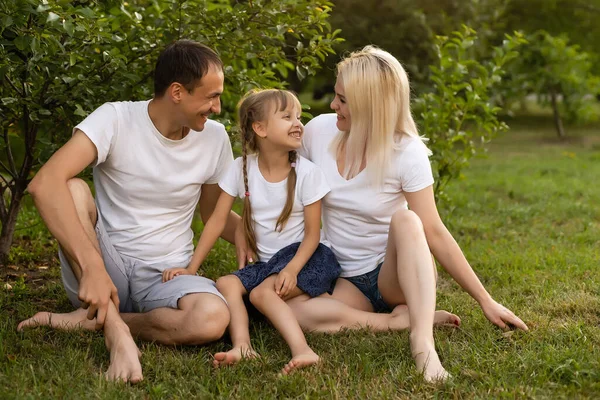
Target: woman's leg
point(233, 291)
point(264, 298)
point(408, 277)
point(347, 308)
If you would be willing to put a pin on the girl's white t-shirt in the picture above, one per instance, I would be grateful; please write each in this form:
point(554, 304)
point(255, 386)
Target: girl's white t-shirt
point(268, 199)
point(357, 215)
point(148, 186)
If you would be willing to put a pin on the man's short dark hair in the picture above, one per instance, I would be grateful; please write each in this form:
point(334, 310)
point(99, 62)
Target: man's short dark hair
point(184, 62)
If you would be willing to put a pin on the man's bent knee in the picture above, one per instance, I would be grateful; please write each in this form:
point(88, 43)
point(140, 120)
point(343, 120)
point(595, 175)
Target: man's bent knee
point(206, 318)
point(82, 197)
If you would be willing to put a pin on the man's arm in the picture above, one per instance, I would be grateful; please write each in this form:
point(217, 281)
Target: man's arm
point(53, 199)
point(208, 200)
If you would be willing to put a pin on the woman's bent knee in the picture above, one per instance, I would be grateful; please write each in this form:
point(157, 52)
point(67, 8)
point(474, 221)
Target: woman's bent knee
point(407, 220)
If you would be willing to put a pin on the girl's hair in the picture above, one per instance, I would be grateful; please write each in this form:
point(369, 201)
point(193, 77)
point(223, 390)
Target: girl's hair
point(255, 106)
point(378, 96)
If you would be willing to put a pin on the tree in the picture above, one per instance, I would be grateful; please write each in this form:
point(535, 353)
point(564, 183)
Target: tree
point(61, 59)
point(457, 114)
point(555, 70)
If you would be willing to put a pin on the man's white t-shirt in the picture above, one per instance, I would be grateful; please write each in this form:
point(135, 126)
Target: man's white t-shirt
point(357, 215)
point(268, 199)
point(148, 186)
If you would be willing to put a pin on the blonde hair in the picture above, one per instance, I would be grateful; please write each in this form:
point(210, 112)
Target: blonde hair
point(254, 107)
point(377, 92)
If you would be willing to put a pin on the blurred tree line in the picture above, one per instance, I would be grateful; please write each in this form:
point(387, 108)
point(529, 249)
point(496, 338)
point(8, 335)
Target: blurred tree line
point(60, 59)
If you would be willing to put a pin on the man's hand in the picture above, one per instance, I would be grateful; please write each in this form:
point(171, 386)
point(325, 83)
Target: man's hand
point(285, 282)
point(96, 290)
point(243, 252)
point(501, 316)
point(169, 274)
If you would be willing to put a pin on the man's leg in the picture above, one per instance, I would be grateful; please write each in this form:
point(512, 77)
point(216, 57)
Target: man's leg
point(124, 354)
point(200, 318)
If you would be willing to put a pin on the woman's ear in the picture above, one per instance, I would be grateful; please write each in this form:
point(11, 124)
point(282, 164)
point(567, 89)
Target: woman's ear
point(260, 128)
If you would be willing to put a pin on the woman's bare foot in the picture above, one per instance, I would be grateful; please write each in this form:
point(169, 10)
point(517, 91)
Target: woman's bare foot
point(300, 361)
point(400, 320)
point(67, 322)
point(124, 355)
point(234, 356)
point(428, 362)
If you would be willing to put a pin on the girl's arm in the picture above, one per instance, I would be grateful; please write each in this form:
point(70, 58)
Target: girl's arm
point(286, 280)
point(448, 253)
point(212, 230)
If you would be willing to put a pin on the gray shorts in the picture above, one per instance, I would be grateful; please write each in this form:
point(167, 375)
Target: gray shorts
point(140, 285)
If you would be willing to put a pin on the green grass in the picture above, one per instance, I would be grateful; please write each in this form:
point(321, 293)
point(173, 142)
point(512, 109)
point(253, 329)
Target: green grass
point(528, 220)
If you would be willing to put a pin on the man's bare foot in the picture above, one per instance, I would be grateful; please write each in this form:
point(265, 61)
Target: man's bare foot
point(124, 355)
point(233, 356)
point(67, 322)
point(300, 361)
point(400, 320)
point(428, 362)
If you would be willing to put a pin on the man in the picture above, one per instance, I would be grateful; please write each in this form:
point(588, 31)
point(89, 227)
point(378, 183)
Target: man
point(154, 161)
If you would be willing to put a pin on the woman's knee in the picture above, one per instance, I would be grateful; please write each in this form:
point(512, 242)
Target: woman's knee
point(407, 220)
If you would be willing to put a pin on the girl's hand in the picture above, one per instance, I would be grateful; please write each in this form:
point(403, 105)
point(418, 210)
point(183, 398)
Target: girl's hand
point(243, 252)
point(169, 274)
point(501, 316)
point(285, 282)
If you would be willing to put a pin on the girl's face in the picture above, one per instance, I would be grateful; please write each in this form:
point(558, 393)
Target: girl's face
point(340, 106)
point(284, 128)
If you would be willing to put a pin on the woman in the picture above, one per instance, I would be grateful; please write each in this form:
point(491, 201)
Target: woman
point(377, 167)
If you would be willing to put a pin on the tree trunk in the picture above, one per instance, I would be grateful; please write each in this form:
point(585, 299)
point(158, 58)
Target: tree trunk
point(557, 120)
point(10, 221)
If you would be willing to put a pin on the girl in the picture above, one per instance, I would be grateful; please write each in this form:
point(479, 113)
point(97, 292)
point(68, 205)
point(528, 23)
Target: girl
point(282, 195)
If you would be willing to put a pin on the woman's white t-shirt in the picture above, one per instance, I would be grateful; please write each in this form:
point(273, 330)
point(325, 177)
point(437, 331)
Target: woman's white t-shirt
point(268, 199)
point(357, 215)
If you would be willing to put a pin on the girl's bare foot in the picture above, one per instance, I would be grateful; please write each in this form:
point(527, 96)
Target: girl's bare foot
point(233, 356)
point(124, 356)
point(428, 362)
point(67, 322)
point(300, 361)
point(400, 320)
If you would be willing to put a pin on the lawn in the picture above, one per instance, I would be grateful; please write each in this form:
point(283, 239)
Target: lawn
point(528, 219)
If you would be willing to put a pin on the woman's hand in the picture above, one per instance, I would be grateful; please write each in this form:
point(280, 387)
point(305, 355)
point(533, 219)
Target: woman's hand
point(501, 316)
point(171, 273)
point(243, 252)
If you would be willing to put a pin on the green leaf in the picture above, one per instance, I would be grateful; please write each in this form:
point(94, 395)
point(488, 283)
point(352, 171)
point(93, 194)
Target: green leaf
point(79, 111)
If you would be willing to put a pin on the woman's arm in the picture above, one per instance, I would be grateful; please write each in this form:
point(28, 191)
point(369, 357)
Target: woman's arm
point(448, 253)
point(286, 280)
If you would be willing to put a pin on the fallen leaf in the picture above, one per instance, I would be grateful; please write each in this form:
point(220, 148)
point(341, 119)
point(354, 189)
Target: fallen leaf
point(7, 286)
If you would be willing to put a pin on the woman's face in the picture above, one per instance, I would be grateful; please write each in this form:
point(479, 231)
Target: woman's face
point(340, 106)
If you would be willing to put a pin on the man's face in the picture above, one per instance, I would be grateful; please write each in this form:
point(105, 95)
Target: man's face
point(204, 100)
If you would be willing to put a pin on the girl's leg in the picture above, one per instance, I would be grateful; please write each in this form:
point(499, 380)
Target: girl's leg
point(408, 277)
point(233, 291)
point(281, 316)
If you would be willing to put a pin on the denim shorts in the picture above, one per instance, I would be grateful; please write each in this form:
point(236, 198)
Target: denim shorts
point(367, 284)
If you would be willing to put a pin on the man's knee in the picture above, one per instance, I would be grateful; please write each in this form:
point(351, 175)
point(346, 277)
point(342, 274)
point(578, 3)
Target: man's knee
point(206, 319)
point(82, 197)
